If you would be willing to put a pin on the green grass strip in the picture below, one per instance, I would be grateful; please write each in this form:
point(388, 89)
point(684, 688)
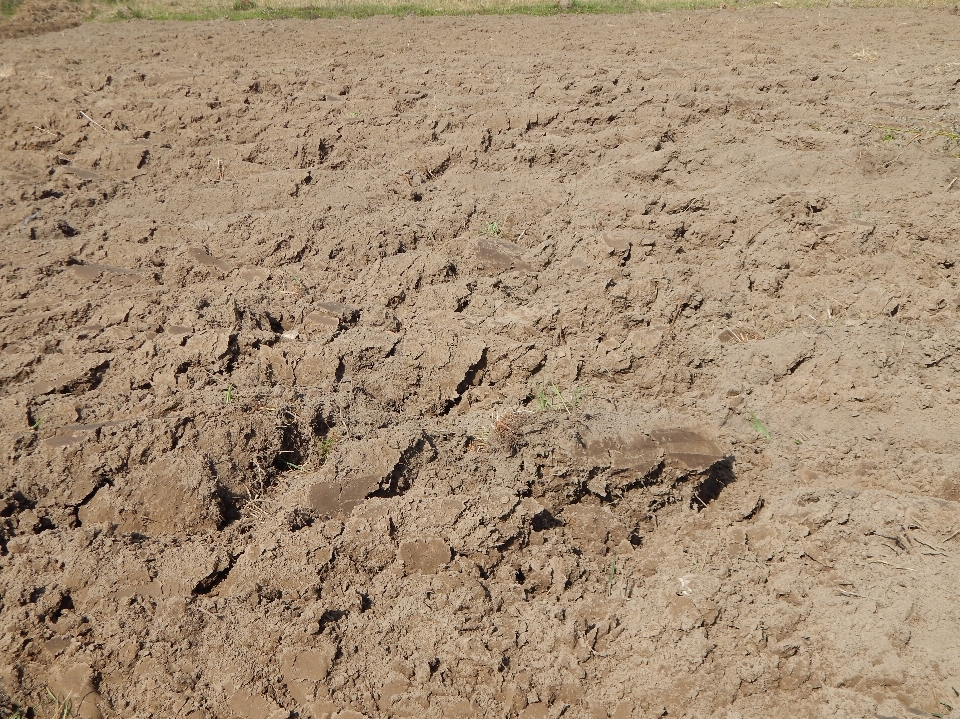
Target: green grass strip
point(242, 10)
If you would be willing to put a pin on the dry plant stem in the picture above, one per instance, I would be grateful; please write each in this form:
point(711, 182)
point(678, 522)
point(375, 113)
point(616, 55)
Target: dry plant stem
point(508, 427)
point(925, 544)
point(755, 234)
point(915, 138)
point(94, 121)
point(563, 402)
point(205, 611)
point(676, 315)
point(880, 561)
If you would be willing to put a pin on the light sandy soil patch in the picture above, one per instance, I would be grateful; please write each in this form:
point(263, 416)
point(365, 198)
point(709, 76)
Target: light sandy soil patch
point(500, 367)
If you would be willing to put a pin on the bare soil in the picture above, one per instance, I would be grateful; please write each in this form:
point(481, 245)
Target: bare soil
point(34, 17)
point(482, 367)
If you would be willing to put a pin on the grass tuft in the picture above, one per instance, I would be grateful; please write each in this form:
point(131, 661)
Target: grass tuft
point(759, 427)
point(612, 577)
point(550, 397)
point(325, 448)
point(491, 229)
point(950, 134)
point(63, 708)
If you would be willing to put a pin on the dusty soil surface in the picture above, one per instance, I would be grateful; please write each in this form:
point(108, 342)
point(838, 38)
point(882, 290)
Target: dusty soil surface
point(39, 16)
point(486, 367)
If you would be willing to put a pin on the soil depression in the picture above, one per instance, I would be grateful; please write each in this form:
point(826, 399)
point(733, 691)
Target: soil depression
point(582, 366)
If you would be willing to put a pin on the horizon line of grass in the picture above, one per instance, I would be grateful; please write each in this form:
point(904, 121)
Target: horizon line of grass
point(205, 10)
point(360, 9)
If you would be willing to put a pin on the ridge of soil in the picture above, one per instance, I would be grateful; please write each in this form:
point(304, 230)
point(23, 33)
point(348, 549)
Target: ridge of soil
point(500, 367)
point(35, 17)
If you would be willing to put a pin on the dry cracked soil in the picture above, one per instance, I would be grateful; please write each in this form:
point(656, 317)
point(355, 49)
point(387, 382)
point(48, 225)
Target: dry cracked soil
point(482, 367)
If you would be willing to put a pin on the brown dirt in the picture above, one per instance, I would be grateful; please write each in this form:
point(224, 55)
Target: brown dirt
point(35, 17)
point(280, 415)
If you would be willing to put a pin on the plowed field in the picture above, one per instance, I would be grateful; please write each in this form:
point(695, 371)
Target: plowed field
point(482, 367)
